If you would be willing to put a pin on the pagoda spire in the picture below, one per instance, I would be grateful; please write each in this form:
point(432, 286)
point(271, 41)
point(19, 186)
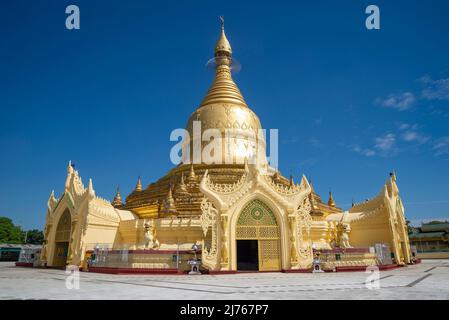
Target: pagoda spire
point(223, 89)
point(117, 199)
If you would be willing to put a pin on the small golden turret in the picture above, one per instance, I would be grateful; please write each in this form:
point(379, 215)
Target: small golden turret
point(169, 204)
point(138, 185)
point(117, 199)
point(181, 188)
point(331, 201)
point(192, 176)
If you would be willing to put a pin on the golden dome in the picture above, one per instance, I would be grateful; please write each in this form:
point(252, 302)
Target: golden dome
point(224, 106)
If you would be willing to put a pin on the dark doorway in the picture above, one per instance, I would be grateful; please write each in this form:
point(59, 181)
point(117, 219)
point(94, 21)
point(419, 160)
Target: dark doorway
point(60, 256)
point(247, 255)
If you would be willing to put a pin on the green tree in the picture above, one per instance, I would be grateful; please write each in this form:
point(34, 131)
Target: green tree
point(35, 236)
point(436, 222)
point(10, 233)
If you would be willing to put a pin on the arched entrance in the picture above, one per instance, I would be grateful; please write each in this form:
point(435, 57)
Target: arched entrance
point(62, 239)
point(258, 238)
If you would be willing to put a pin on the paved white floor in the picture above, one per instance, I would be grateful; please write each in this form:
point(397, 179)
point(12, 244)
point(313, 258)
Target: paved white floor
point(428, 280)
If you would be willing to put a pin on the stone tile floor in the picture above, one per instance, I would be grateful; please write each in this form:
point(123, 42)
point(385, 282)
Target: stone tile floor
point(428, 280)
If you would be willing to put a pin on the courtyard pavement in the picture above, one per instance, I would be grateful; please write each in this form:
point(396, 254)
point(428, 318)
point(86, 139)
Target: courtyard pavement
point(428, 280)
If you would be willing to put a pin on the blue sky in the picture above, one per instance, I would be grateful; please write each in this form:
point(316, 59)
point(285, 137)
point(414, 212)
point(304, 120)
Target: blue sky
point(351, 105)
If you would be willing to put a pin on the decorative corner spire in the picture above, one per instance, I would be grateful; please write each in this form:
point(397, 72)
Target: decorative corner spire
point(393, 175)
point(117, 199)
point(52, 200)
point(69, 176)
point(70, 167)
point(138, 185)
point(311, 185)
point(291, 181)
point(90, 188)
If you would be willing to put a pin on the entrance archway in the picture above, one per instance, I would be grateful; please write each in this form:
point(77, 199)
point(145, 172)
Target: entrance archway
point(62, 240)
point(258, 238)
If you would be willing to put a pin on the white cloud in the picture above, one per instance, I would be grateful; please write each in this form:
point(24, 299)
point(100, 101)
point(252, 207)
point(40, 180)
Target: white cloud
point(399, 101)
point(404, 126)
point(364, 152)
point(441, 146)
point(385, 142)
point(413, 136)
point(435, 89)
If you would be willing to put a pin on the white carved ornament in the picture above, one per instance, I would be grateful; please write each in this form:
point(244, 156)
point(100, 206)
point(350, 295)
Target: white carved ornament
point(208, 216)
point(225, 188)
point(282, 189)
point(303, 225)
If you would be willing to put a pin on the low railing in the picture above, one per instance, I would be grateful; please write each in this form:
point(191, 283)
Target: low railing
point(120, 257)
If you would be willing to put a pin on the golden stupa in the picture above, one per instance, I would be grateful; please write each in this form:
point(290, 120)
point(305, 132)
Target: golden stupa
point(243, 216)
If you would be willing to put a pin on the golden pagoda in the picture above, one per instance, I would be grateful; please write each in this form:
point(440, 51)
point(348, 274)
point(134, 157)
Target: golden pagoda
point(244, 216)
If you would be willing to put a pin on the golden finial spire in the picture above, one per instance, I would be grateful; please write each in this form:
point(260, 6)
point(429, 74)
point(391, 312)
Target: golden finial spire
point(223, 47)
point(117, 199)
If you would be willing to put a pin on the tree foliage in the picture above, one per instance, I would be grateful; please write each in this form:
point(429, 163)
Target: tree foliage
point(10, 233)
point(34, 236)
point(436, 222)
